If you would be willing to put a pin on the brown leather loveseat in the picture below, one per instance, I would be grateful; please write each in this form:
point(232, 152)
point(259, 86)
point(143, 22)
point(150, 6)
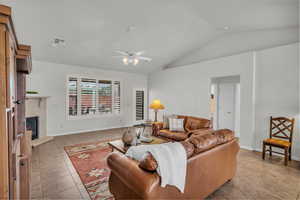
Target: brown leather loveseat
point(191, 125)
point(212, 162)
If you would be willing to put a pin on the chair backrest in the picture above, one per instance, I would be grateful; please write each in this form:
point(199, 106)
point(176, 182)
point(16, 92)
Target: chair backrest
point(282, 127)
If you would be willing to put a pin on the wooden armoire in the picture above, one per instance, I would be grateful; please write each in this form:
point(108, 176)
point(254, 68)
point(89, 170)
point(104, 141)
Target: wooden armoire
point(15, 142)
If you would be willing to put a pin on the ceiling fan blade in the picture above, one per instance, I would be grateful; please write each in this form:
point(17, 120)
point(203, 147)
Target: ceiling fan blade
point(124, 53)
point(120, 56)
point(144, 58)
point(139, 53)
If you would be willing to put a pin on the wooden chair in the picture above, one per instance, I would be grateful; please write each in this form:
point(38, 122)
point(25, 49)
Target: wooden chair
point(281, 136)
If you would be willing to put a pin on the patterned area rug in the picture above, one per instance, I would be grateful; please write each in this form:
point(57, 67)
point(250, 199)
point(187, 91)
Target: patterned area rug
point(89, 160)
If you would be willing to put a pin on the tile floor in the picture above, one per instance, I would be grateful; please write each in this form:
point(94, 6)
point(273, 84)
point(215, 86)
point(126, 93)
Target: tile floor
point(53, 176)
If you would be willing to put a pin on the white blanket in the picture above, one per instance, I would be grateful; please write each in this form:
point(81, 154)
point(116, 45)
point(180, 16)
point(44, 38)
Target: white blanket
point(171, 159)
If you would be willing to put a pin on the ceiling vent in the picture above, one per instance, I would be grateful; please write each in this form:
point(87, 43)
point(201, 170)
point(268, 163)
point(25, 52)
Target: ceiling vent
point(57, 42)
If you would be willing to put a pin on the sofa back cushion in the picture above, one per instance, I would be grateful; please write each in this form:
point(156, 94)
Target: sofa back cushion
point(224, 135)
point(203, 142)
point(189, 148)
point(148, 163)
point(194, 123)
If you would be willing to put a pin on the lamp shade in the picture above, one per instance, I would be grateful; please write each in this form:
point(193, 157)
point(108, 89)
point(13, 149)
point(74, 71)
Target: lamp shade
point(156, 105)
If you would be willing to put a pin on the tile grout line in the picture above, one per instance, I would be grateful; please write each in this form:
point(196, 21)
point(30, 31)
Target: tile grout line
point(40, 177)
point(66, 159)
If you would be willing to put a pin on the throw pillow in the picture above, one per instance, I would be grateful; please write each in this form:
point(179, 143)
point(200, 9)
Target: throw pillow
point(166, 120)
point(176, 124)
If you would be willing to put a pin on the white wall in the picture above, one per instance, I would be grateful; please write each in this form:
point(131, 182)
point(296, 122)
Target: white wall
point(49, 79)
point(185, 90)
point(269, 85)
point(277, 91)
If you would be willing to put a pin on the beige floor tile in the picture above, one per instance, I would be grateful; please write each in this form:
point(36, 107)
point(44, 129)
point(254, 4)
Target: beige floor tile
point(56, 177)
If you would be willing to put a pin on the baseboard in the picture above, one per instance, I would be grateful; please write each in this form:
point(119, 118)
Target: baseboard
point(247, 148)
point(42, 140)
point(259, 150)
point(91, 130)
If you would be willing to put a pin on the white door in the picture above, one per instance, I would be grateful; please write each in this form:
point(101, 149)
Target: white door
point(226, 105)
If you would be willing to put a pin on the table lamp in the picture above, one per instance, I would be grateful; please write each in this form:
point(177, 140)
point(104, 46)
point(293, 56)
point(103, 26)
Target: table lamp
point(156, 105)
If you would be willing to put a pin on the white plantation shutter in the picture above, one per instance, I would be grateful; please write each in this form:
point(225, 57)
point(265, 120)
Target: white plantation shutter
point(139, 105)
point(104, 96)
point(117, 96)
point(88, 96)
point(73, 96)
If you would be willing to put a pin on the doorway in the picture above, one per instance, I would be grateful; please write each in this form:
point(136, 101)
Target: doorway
point(225, 103)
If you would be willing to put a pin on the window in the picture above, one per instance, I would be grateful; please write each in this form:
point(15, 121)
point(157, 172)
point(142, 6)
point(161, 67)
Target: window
point(88, 96)
point(105, 96)
point(139, 105)
point(92, 97)
point(73, 97)
point(117, 97)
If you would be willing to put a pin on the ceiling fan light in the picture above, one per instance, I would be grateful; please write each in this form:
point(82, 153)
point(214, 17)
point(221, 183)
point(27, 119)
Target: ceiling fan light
point(125, 60)
point(136, 61)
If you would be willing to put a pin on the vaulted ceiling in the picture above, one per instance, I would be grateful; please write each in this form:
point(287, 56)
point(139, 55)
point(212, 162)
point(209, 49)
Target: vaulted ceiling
point(172, 32)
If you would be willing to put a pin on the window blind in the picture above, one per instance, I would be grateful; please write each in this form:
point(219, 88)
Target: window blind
point(88, 96)
point(104, 96)
point(73, 97)
point(117, 97)
point(139, 107)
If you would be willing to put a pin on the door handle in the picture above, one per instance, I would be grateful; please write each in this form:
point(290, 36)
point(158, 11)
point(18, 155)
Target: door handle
point(18, 102)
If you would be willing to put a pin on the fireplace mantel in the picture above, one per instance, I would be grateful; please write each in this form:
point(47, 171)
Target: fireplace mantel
point(36, 105)
point(36, 97)
point(40, 98)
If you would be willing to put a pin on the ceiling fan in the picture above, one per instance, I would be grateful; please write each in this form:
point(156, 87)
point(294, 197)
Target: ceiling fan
point(132, 57)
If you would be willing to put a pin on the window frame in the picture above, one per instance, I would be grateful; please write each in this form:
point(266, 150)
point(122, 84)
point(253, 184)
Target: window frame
point(97, 114)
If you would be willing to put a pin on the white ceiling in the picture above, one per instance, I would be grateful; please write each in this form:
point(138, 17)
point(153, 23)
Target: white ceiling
point(172, 32)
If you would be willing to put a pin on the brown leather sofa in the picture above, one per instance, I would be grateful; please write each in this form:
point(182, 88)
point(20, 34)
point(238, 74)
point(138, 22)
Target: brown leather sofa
point(191, 125)
point(213, 163)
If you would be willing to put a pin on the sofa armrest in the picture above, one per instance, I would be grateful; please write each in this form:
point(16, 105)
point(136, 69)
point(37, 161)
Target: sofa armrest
point(156, 127)
point(130, 174)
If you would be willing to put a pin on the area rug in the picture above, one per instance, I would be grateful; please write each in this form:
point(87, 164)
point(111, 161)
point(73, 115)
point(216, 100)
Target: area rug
point(89, 160)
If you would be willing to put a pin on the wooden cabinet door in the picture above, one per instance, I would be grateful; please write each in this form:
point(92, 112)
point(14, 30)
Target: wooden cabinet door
point(25, 159)
point(4, 159)
point(13, 136)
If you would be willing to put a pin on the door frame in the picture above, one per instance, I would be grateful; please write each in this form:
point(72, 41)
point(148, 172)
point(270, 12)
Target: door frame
point(216, 81)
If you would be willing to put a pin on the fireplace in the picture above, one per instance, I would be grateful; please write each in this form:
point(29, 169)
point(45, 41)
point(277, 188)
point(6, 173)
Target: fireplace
point(32, 123)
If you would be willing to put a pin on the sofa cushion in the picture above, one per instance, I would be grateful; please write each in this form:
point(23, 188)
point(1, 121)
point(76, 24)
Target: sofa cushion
point(203, 142)
point(203, 131)
point(194, 123)
point(178, 136)
point(189, 148)
point(224, 135)
point(148, 163)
